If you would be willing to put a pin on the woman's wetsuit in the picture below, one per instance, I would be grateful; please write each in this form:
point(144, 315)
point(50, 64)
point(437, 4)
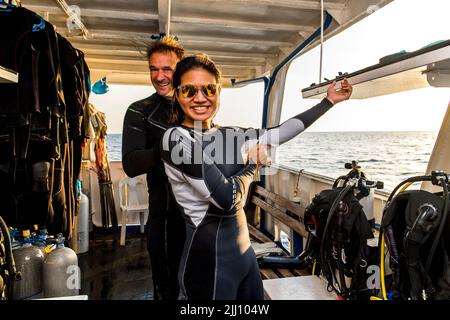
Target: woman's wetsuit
point(210, 181)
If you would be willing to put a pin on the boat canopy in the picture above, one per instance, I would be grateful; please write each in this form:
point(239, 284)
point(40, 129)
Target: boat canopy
point(401, 71)
point(247, 38)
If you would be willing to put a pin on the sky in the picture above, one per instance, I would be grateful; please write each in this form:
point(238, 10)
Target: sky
point(401, 25)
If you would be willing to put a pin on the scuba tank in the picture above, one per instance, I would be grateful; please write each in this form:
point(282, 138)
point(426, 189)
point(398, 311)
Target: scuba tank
point(362, 192)
point(83, 224)
point(61, 276)
point(367, 204)
point(29, 261)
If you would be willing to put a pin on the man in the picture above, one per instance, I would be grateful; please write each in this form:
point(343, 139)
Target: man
point(144, 124)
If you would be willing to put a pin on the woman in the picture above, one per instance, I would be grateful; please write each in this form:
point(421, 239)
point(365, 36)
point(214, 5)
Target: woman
point(210, 169)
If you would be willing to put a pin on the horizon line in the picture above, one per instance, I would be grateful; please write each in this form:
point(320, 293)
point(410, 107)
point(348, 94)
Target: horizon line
point(353, 131)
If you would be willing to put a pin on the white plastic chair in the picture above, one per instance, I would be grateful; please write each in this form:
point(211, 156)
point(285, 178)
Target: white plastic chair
point(133, 199)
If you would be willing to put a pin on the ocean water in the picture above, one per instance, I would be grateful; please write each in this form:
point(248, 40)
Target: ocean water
point(390, 157)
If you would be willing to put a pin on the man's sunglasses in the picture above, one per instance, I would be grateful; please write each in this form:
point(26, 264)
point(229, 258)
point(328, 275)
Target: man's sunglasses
point(189, 90)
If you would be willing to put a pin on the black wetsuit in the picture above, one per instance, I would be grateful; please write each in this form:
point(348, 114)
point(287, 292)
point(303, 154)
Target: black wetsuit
point(144, 124)
point(43, 119)
point(210, 181)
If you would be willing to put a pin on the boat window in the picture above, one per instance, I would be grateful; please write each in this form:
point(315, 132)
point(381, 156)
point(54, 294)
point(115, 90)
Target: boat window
point(115, 103)
point(241, 107)
point(392, 136)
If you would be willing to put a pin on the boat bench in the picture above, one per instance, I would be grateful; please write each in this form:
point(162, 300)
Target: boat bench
point(285, 211)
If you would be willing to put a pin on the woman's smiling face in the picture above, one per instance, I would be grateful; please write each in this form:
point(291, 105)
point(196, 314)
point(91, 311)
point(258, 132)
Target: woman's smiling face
point(204, 103)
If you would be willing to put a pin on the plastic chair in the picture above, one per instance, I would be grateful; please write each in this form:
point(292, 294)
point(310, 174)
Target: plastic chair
point(133, 199)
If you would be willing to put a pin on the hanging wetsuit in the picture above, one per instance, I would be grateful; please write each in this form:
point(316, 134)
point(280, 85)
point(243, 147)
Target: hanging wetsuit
point(27, 113)
point(144, 125)
point(210, 181)
point(73, 74)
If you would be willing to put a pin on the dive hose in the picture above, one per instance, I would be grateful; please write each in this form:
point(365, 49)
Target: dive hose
point(341, 195)
point(382, 245)
point(437, 237)
point(11, 265)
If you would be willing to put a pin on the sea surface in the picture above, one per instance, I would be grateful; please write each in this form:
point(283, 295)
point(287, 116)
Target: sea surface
point(390, 157)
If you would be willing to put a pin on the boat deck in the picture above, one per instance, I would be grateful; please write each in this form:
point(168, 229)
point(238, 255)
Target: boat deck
point(113, 272)
point(257, 236)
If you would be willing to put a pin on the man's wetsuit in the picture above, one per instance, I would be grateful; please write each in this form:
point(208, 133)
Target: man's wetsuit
point(210, 182)
point(144, 125)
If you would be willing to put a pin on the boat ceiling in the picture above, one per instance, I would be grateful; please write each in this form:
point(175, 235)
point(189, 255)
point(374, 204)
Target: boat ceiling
point(247, 38)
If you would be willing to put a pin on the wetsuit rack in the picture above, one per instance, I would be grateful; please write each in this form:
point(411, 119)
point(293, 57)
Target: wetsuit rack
point(44, 122)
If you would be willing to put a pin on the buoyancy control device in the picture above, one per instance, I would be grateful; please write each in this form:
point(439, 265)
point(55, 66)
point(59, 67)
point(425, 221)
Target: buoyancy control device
point(339, 230)
point(416, 230)
point(339, 235)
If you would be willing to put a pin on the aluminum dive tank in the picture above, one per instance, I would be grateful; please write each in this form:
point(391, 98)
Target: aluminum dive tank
point(367, 204)
point(83, 224)
point(29, 261)
point(61, 274)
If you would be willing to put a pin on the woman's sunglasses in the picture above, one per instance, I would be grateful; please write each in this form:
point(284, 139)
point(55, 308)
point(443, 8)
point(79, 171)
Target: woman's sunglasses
point(189, 90)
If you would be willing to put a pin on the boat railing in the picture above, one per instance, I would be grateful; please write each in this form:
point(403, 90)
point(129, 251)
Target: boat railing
point(299, 187)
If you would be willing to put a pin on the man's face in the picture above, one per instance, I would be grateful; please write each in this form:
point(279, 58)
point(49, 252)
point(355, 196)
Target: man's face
point(162, 65)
